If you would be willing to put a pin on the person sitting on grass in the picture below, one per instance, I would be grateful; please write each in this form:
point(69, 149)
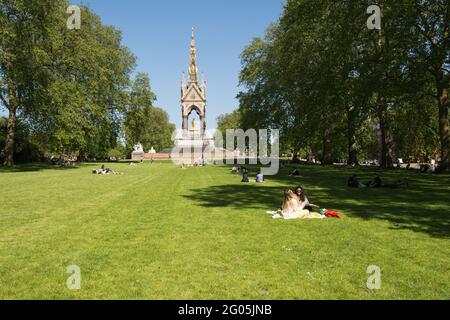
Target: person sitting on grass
point(245, 176)
point(290, 204)
point(294, 173)
point(354, 183)
point(259, 177)
point(304, 203)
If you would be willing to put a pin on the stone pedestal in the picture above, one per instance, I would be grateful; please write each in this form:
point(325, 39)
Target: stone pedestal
point(138, 156)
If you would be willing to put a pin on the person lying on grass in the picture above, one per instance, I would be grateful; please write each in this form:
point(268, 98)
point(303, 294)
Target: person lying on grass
point(294, 173)
point(375, 183)
point(396, 185)
point(236, 169)
point(354, 183)
point(105, 171)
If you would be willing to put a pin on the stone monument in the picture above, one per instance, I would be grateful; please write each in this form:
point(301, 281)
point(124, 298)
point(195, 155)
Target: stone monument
point(138, 153)
point(193, 142)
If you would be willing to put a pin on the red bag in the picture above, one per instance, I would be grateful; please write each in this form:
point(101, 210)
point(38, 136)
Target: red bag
point(332, 214)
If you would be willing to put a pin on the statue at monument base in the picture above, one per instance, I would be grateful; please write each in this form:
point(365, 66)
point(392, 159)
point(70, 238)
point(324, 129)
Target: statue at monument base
point(138, 154)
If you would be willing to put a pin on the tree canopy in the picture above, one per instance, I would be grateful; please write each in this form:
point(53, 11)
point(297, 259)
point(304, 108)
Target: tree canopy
point(70, 87)
point(143, 122)
point(339, 90)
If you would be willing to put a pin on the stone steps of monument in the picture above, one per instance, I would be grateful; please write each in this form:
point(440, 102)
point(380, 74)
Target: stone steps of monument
point(157, 156)
point(188, 155)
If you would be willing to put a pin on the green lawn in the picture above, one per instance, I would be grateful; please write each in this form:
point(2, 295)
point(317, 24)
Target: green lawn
point(161, 232)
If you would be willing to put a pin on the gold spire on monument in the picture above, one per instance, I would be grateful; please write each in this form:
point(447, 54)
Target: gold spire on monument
point(193, 70)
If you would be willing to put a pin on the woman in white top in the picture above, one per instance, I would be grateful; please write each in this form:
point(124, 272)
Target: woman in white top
point(304, 203)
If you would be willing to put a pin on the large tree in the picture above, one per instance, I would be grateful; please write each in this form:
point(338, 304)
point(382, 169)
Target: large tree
point(430, 59)
point(25, 32)
point(68, 85)
point(143, 122)
point(333, 85)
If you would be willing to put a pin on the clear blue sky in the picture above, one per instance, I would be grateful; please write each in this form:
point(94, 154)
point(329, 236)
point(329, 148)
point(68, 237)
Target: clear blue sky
point(158, 32)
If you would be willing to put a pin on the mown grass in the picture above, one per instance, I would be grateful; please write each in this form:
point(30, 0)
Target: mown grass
point(162, 232)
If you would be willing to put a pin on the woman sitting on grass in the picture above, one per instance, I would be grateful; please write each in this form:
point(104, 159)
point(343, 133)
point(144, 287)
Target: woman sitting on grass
point(291, 208)
point(303, 203)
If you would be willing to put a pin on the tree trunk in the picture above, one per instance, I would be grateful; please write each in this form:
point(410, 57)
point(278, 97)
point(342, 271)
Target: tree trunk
point(384, 146)
point(351, 136)
point(327, 157)
point(295, 153)
point(11, 125)
point(9, 145)
point(384, 149)
point(444, 125)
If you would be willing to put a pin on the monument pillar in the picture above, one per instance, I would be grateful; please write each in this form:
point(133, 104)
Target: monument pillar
point(202, 125)
point(185, 123)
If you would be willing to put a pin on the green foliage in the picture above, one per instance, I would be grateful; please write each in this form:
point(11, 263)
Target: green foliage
point(117, 154)
point(143, 122)
point(326, 80)
point(229, 121)
point(71, 85)
point(76, 94)
point(26, 149)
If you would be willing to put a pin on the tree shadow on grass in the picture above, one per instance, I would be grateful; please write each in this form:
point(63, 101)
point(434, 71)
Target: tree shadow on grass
point(243, 196)
point(423, 207)
point(34, 167)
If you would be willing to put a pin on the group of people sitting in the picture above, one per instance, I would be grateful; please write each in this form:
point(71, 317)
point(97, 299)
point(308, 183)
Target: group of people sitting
point(246, 175)
point(297, 206)
point(104, 171)
point(199, 163)
point(375, 183)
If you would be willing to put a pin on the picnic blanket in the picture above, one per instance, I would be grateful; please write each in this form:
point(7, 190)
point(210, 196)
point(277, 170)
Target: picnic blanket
point(305, 214)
